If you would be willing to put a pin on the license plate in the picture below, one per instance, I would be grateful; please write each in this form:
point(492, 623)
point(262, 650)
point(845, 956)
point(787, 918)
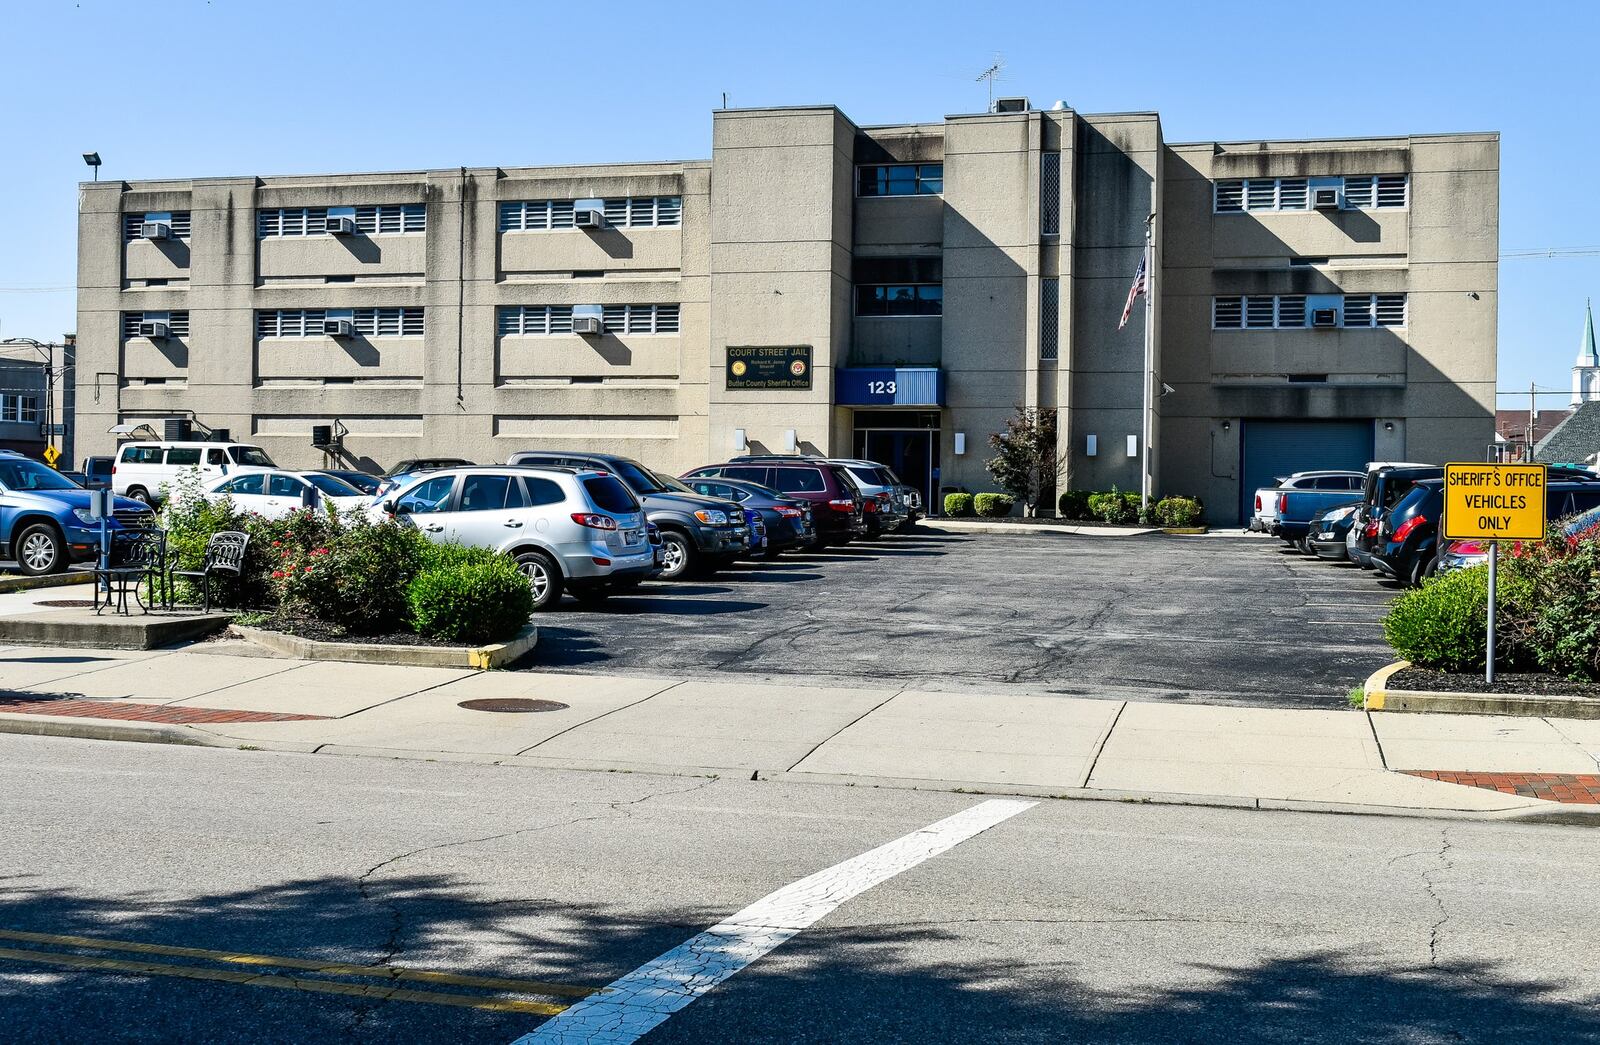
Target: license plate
point(633, 537)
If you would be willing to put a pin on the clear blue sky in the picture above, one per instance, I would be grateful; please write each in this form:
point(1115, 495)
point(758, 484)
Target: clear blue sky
point(180, 88)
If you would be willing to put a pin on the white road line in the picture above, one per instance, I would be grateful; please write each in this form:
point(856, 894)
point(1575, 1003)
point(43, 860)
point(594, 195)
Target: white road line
point(644, 999)
point(1351, 623)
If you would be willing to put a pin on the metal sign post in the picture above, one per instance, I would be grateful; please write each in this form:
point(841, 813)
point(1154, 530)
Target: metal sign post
point(1493, 503)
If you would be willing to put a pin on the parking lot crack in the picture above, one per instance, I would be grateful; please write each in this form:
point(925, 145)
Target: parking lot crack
point(1428, 883)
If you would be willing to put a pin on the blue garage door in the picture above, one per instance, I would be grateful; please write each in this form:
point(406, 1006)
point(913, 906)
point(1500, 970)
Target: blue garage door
point(1274, 448)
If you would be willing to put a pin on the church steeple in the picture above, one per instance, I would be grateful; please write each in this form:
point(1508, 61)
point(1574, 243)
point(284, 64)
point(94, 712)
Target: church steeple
point(1586, 372)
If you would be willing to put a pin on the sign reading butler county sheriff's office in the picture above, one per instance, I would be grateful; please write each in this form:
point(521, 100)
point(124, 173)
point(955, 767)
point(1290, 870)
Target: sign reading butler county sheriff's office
point(1489, 502)
point(766, 368)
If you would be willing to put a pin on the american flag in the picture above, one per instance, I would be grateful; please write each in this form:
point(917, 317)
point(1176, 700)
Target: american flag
point(1140, 285)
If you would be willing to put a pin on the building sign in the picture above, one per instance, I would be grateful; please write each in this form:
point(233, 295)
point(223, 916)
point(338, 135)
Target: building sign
point(766, 368)
point(1494, 502)
point(889, 386)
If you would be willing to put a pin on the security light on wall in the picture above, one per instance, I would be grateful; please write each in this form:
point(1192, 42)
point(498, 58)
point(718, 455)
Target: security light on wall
point(93, 160)
point(961, 443)
point(739, 441)
point(1091, 446)
point(1133, 446)
point(791, 440)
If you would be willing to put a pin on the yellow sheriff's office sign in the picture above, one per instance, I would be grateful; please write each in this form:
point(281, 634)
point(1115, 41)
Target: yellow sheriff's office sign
point(1494, 502)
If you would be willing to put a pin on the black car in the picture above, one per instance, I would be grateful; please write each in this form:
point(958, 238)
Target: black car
point(363, 481)
point(1386, 484)
point(412, 465)
point(788, 520)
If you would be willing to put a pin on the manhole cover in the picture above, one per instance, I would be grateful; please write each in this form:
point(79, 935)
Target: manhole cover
point(512, 704)
point(67, 604)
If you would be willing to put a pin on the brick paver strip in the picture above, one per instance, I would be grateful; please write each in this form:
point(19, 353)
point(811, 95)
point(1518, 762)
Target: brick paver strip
point(1570, 788)
point(130, 712)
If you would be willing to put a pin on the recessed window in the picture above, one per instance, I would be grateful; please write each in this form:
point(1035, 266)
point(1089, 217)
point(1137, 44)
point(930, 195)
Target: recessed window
point(1361, 192)
point(515, 320)
point(176, 221)
point(899, 286)
point(641, 319)
point(900, 179)
point(19, 408)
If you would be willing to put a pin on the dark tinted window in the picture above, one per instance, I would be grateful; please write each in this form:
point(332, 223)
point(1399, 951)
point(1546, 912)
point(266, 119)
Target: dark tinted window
point(638, 479)
point(544, 462)
point(798, 480)
point(543, 491)
point(97, 466)
point(483, 493)
point(749, 473)
point(283, 486)
point(516, 494)
point(1577, 501)
point(141, 455)
point(332, 485)
point(898, 270)
point(609, 495)
point(19, 474)
point(253, 456)
point(183, 455)
point(216, 457)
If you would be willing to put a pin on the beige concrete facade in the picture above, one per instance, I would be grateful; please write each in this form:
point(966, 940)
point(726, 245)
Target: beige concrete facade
point(773, 242)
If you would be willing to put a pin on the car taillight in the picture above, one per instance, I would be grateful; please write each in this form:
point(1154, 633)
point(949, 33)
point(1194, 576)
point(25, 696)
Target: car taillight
point(791, 513)
point(842, 505)
point(1468, 548)
point(872, 506)
point(1372, 529)
point(1258, 502)
point(1410, 524)
point(1283, 499)
point(594, 522)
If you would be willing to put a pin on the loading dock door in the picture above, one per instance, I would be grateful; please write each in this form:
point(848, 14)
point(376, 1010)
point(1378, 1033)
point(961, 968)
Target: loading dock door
point(1274, 448)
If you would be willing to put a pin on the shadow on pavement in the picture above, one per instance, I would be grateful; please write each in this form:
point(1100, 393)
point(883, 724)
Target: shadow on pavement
point(883, 983)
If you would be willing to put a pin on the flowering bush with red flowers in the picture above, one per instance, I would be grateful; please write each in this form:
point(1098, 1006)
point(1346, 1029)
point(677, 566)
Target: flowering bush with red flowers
point(355, 577)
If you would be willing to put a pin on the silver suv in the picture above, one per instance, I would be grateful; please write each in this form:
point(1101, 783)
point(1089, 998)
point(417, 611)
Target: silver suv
point(580, 531)
point(882, 485)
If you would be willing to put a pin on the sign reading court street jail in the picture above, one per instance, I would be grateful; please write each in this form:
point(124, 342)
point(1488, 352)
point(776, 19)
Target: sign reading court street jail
point(766, 368)
point(1494, 502)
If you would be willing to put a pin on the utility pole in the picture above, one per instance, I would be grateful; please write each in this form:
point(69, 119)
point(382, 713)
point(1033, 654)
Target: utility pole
point(1146, 463)
point(1531, 409)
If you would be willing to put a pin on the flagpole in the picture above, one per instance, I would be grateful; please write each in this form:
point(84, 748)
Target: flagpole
point(1148, 418)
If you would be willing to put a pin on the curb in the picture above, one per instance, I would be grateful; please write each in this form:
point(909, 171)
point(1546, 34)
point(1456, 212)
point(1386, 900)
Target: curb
point(191, 737)
point(481, 658)
point(1525, 705)
point(133, 632)
point(22, 582)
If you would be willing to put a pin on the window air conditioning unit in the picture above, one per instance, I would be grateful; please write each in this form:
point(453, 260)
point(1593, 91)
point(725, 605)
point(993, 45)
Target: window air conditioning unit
point(1324, 317)
point(589, 218)
point(338, 328)
point(586, 324)
point(1011, 105)
point(339, 225)
point(155, 230)
point(155, 331)
point(1326, 198)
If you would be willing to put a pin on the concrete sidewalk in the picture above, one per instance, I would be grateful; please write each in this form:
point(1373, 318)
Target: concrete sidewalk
point(1346, 761)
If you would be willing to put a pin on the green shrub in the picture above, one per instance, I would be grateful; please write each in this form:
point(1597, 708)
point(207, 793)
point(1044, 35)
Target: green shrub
point(357, 580)
point(476, 598)
point(994, 505)
point(1443, 624)
point(1114, 507)
point(1560, 618)
point(1074, 504)
point(1178, 511)
point(958, 504)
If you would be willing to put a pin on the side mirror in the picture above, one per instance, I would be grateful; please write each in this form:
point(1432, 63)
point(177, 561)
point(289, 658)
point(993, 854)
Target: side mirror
point(388, 507)
point(401, 508)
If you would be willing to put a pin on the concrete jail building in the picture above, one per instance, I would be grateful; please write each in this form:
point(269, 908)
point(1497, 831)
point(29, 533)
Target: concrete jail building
point(815, 286)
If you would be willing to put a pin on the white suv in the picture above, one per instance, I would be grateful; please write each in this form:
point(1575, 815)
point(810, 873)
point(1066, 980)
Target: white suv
point(575, 530)
point(141, 470)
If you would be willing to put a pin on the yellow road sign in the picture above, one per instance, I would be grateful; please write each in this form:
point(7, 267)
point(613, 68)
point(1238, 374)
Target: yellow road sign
point(51, 456)
point(1490, 502)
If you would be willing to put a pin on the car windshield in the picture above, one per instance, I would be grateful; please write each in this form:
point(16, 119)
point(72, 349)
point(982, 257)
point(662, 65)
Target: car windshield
point(759, 490)
point(609, 495)
point(333, 487)
point(671, 483)
point(361, 481)
point(21, 474)
point(641, 480)
point(253, 456)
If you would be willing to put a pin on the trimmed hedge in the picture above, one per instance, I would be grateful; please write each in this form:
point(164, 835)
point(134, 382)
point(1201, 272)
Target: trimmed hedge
point(1442, 625)
point(1178, 511)
point(994, 505)
point(1114, 507)
point(1074, 504)
point(479, 597)
point(958, 504)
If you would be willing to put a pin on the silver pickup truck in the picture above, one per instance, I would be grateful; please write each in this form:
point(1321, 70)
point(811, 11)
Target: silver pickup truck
point(1313, 493)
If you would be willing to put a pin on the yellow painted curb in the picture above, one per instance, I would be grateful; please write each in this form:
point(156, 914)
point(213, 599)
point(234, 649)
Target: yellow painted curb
point(1374, 694)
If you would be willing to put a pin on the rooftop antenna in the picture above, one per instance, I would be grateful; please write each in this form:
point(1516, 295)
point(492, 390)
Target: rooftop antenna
point(991, 74)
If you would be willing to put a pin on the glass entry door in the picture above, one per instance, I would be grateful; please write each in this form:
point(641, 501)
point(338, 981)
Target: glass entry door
point(913, 454)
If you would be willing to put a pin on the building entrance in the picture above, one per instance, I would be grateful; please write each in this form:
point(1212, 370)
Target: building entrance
point(906, 441)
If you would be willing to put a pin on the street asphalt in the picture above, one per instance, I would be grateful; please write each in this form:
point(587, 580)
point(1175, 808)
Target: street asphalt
point(1069, 921)
point(1213, 619)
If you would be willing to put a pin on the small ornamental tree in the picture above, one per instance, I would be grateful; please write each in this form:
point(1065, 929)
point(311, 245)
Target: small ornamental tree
point(1025, 463)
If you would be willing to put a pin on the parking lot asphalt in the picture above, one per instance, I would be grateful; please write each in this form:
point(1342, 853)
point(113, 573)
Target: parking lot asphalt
point(1219, 619)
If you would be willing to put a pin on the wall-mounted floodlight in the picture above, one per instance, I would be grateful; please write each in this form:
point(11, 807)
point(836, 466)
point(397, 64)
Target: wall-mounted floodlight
point(961, 443)
point(1091, 446)
point(93, 160)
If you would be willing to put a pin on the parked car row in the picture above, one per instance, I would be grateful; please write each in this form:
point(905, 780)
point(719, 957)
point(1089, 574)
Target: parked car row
point(585, 524)
point(1387, 519)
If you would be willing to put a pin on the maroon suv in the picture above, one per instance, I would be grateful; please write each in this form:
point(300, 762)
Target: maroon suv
point(837, 503)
